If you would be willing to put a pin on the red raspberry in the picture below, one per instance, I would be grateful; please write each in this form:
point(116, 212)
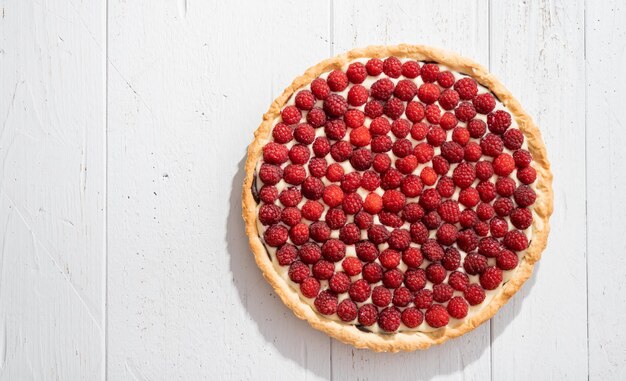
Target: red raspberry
point(286, 254)
point(486, 190)
point(282, 133)
point(360, 290)
point(393, 200)
point(419, 232)
point(374, 67)
point(305, 100)
point(433, 113)
point(484, 170)
point(391, 179)
point(476, 128)
point(465, 112)
point(491, 278)
point(415, 112)
point(351, 182)
point(389, 319)
point(412, 212)
point(276, 235)
point(435, 273)
point(341, 151)
point(373, 109)
point(522, 158)
point(334, 250)
point(428, 93)
point(402, 147)
point(464, 175)
point(423, 298)
point(339, 283)
point(392, 67)
point(466, 87)
point(436, 136)
point(366, 251)
point(290, 216)
point(335, 218)
point(442, 292)
point(412, 317)
point(320, 88)
point(424, 152)
point(319, 231)
point(430, 199)
point(521, 218)
point(367, 315)
point(354, 118)
point(321, 146)
point(337, 80)
point(484, 211)
point(503, 164)
point(373, 272)
point(412, 257)
point(335, 105)
point(294, 174)
point(275, 153)
point(394, 108)
point(430, 72)
point(316, 117)
point(357, 95)
point(513, 139)
point(291, 115)
point(402, 297)
point(370, 180)
point(378, 234)
point(304, 133)
point(415, 279)
point(270, 174)
point(390, 219)
point(381, 163)
point(524, 196)
point(405, 90)
point(393, 278)
point(481, 228)
point(503, 206)
point(468, 218)
point(452, 151)
point(299, 154)
point(381, 296)
point(269, 214)
point(401, 128)
point(440, 165)
point(360, 137)
point(363, 220)
point(515, 240)
point(489, 247)
point(411, 69)
point(381, 144)
point(312, 210)
point(498, 121)
point(347, 310)
point(299, 233)
point(458, 280)
point(318, 167)
point(527, 175)
point(505, 186)
point(457, 307)
point(445, 79)
point(449, 99)
point(380, 126)
point(449, 211)
point(428, 176)
point(411, 185)
point(498, 227)
point(507, 260)
point(382, 89)
point(474, 263)
point(437, 316)
point(350, 234)
point(491, 145)
point(469, 197)
point(432, 220)
point(323, 270)
point(352, 203)
point(361, 159)
point(474, 294)
point(373, 203)
point(298, 271)
point(326, 303)
point(484, 103)
point(356, 72)
point(334, 172)
point(399, 239)
point(461, 135)
point(446, 234)
point(448, 121)
point(310, 287)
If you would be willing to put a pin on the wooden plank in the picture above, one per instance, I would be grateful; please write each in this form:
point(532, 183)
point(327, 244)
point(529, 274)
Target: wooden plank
point(537, 50)
point(188, 85)
point(52, 182)
point(606, 179)
point(358, 24)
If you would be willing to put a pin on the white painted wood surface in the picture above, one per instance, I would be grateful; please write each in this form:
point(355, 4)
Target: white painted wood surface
point(123, 136)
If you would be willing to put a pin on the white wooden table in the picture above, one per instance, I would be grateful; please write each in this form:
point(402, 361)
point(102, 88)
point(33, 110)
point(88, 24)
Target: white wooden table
point(122, 140)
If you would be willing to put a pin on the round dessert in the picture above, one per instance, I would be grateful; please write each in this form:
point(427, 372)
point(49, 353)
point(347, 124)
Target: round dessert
point(396, 197)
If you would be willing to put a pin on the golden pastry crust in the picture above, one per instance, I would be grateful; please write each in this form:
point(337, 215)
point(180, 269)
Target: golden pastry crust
point(403, 341)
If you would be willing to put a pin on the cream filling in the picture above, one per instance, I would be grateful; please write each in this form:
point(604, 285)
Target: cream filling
point(350, 249)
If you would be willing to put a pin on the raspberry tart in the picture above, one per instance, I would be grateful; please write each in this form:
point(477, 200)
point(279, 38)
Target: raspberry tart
point(396, 196)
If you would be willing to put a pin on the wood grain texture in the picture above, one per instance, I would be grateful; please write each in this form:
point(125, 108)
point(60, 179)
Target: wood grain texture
point(537, 50)
point(606, 180)
point(52, 173)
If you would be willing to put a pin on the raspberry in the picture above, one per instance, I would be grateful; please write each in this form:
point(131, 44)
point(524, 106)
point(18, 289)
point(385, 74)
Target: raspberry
point(484, 170)
point(441, 165)
point(452, 151)
point(393, 200)
point(415, 279)
point(522, 158)
point(486, 190)
point(481, 228)
point(445, 79)
point(412, 317)
point(491, 145)
point(299, 233)
point(316, 117)
point(428, 93)
point(458, 280)
point(359, 291)
point(373, 203)
point(286, 254)
point(335, 218)
point(484, 103)
point(305, 100)
point(382, 89)
point(411, 185)
point(392, 67)
point(350, 234)
point(402, 297)
point(474, 263)
point(467, 240)
point(405, 90)
point(524, 196)
point(320, 88)
point(363, 220)
point(381, 296)
point(449, 99)
point(399, 239)
point(465, 112)
point(291, 115)
point(489, 247)
point(491, 278)
point(357, 95)
point(372, 272)
point(505, 186)
point(370, 180)
point(433, 113)
point(299, 154)
point(498, 121)
point(437, 316)
point(401, 128)
point(515, 240)
point(356, 72)
point(337, 80)
point(484, 211)
point(381, 163)
point(461, 135)
point(503, 164)
point(476, 128)
point(282, 133)
point(503, 206)
point(430, 72)
point(366, 251)
point(448, 121)
point(334, 250)
point(326, 303)
point(374, 67)
point(290, 216)
point(341, 151)
point(321, 146)
point(423, 299)
point(507, 260)
point(339, 283)
point(381, 144)
point(275, 153)
point(323, 270)
point(380, 126)
point(513, 139)
point(270, 174)
point(436, 136)
point(412, 257)
point(390, 219)
point(466, 87)
point(310, 287)
point(269, 214)
point(391, 179)
point(373, 109)
point(442, 292)
point(294, 174)
point(335, 105)
point(276, 235)
point(335, 129)
point(424, 152)
point(449, 211)
point(394, 108)
point(367, 315)
point(464, 175)
point(354, 118)
point(352, 203)
point(498, 227)
point(527, 175)
point(419, 232)
point(457, 307)
point(389, 319)
point(393, 278)
point(319, 231)
point(435, 273)
point(446, 234)
point(318, 167)
point(298, 271)
point(521, 218)
point(430, 199)
point(468, 218)
point(412, 212)
point(378, 234)
point(334, 172)
point(474, 294)
point(411, 69)
point(469, 197)
point(361, 159)
point(304, 133)
point(415, 111)
point(432, 220)
point(347, 310)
